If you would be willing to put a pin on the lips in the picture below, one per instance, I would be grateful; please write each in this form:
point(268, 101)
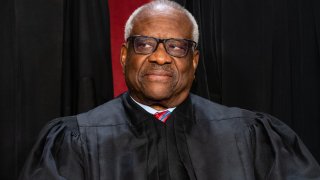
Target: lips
point(158, 75)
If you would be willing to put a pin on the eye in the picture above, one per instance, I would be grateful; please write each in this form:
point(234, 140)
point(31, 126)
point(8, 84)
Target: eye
point(143, 45)
point(177, 47)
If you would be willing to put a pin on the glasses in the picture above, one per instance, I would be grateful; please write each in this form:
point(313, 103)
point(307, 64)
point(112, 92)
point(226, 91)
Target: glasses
point(174, 47)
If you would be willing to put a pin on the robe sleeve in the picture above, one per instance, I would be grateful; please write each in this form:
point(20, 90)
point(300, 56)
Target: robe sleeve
point(57, 153)
point(278, 153)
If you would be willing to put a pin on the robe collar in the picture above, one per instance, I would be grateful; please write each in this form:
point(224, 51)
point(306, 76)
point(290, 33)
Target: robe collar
point(183, 114)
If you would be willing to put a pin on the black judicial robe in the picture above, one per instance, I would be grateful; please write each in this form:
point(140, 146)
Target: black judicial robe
point(201, 140)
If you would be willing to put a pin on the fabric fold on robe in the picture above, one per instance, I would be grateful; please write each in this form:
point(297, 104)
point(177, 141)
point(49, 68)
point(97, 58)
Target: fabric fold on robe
point(201, 140)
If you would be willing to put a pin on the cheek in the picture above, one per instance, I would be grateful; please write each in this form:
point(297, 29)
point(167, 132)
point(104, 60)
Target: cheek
point(132, 63)
point(133, 67)
point(186, 73)
point(186, 70)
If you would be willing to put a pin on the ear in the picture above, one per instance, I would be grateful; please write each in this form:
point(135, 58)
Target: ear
point(195, 59)
point(123, 56)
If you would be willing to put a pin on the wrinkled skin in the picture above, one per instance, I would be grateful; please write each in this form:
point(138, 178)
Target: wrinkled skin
point(158, 79)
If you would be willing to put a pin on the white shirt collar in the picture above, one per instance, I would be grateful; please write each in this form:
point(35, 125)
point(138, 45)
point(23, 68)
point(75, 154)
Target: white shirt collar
point(150, 109)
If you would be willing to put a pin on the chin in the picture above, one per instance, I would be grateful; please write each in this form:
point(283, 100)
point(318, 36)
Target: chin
point(158, 95)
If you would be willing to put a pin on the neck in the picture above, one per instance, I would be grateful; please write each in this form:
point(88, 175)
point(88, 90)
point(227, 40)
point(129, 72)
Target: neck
point(160, 105)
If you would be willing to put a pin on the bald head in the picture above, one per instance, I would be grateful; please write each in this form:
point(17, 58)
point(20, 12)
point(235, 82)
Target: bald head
point(157, 8)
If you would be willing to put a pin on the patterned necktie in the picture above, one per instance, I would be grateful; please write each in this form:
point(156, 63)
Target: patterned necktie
point(162, 116)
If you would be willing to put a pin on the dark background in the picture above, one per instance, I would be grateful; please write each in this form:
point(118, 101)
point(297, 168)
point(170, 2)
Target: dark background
point(260, 55)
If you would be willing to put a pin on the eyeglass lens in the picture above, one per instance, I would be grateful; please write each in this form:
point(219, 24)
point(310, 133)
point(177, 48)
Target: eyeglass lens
point(174, 47)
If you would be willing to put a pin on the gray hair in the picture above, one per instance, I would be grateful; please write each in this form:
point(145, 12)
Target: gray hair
point(153, 4)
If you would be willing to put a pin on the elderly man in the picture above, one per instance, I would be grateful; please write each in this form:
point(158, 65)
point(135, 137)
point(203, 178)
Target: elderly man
point(158, 130)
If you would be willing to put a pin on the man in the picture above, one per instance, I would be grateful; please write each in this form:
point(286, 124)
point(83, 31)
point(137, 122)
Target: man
point(158, 130)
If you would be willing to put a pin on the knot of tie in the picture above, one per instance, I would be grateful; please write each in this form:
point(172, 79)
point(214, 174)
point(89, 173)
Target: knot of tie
point(162, 116)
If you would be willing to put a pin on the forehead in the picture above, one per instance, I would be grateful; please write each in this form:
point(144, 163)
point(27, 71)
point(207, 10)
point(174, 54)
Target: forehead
point(162, 23)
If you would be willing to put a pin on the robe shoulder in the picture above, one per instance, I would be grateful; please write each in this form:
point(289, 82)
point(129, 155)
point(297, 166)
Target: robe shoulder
point(207, 109)
point(111, 113)
point(260, 139)
point(57, 153)
point(233, 119)
point(249, 144)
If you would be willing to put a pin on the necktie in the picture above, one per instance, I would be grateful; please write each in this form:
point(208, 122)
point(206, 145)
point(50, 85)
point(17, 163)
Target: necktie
point(163, 115)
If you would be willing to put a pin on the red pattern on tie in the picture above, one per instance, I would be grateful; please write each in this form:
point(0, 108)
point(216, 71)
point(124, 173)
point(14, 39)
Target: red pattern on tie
point(162, 116)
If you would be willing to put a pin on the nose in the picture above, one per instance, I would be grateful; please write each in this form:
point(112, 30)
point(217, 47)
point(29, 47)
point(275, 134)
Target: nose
point(160, 56)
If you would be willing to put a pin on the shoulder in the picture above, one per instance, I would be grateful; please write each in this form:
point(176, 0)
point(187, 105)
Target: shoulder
point(206, 109)
point(58, 147)
point(62, 124)
point(60, 129)
point(109, 113)
point(235, 119)
point(58, 133)
point(238, 120)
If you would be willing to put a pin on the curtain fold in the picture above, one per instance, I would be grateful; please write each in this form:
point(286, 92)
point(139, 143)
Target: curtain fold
point(208, 76)
point(55, 61)
point(263, 56)
point(86, 69)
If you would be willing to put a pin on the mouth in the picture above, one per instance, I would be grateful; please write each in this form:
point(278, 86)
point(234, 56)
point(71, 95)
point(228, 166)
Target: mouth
point(158, 76)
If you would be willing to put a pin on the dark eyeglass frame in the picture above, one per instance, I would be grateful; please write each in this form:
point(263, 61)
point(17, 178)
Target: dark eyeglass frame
point(191, 44)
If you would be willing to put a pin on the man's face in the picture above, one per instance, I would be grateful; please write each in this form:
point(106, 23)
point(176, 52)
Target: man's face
point(159, 79)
